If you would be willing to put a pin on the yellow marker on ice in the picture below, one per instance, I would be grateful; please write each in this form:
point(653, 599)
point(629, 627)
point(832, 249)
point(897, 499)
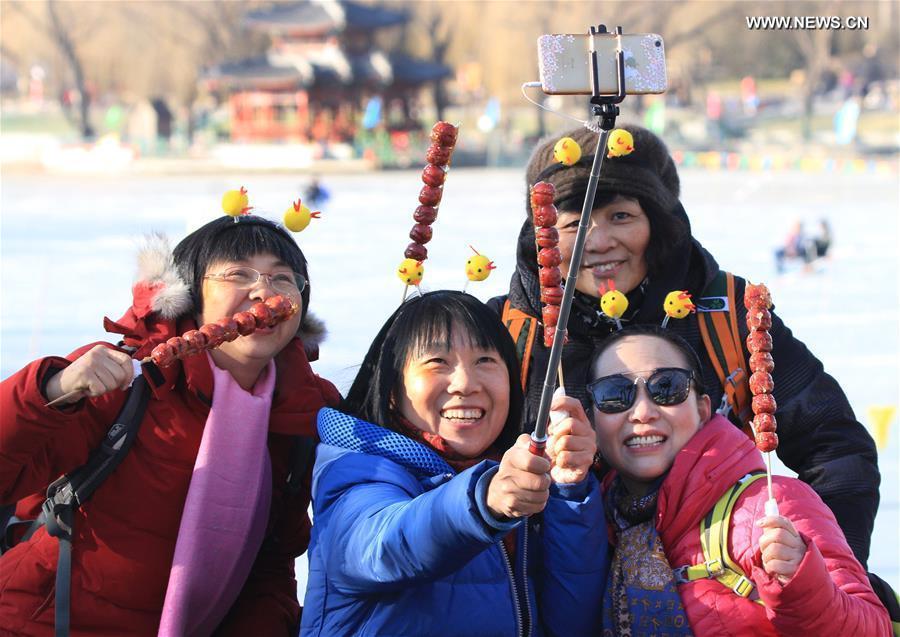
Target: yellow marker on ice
point(880, 417)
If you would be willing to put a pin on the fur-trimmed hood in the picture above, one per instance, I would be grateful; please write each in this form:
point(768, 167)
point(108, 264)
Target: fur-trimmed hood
point(161, 298)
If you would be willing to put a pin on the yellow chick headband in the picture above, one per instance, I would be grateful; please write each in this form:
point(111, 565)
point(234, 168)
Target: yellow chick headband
point(677, 304)
point(612, 302)
point(235, 203)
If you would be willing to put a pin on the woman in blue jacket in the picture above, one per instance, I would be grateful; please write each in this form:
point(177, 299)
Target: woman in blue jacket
point(421, 522)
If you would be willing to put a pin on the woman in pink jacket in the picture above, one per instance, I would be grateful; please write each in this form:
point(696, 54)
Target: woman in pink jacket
point(672, 461)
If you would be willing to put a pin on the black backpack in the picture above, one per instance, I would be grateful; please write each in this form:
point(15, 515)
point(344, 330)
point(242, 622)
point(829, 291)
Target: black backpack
point(72, 490)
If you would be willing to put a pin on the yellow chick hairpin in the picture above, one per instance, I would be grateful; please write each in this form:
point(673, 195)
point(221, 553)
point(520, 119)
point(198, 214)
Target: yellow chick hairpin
point(677, 304)
point(567, 151)
point(612, 302)
point(619, 143)
point(298, 216)
point(410, 272)
point(235, 203)
point(478, 268)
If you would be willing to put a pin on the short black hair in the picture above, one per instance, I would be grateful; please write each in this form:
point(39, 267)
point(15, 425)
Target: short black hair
point(690, 356)
point(421, 323)
point(225, 239)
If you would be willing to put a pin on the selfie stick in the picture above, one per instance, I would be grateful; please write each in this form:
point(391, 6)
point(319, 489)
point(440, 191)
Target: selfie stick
point(605, 109)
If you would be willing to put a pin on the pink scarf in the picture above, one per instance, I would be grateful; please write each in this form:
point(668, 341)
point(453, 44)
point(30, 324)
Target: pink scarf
point(226, 510)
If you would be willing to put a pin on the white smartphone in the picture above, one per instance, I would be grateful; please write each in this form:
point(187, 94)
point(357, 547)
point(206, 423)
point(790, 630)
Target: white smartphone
point(564, 60)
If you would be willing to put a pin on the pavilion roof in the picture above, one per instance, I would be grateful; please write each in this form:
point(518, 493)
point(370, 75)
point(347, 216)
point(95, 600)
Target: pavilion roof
point(373, 68)
point(258, 72)
point(411, 70)
point(312, 17)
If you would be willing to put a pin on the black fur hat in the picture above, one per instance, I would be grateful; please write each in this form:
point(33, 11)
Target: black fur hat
point(647, 173)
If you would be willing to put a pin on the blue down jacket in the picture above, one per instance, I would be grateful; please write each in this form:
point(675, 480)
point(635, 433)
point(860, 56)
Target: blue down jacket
point(403, 545)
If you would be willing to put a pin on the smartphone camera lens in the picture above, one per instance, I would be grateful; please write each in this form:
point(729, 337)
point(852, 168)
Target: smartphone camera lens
point(658, 43)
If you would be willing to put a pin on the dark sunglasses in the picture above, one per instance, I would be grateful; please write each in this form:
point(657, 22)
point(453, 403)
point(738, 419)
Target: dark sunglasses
point(667, 386)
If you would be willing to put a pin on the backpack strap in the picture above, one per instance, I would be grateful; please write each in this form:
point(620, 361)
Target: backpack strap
point(523, 329)
point(717, 562)
point(717, 318)
point(71, 491)
point(302, 454)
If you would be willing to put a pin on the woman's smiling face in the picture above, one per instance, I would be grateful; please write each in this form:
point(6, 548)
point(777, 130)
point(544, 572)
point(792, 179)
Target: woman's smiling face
point(641, 442)
point(460, 393)
point(222, 299)
point(615, 246)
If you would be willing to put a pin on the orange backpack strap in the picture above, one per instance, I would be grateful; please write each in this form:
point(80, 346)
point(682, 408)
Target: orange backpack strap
point(523, 329)
point(717, 317)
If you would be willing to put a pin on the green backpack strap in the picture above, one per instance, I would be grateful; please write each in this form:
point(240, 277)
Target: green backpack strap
point(717, 318)
point(717, 563)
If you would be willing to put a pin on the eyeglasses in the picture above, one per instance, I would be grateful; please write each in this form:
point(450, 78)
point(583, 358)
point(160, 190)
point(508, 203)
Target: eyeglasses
point(667, 386)
point(244, 278)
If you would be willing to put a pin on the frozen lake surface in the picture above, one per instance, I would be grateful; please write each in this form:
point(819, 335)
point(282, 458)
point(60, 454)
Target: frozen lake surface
point(68, 247)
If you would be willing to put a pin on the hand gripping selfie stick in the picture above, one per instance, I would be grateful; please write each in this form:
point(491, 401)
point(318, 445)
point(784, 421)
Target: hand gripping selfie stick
point(604, 108)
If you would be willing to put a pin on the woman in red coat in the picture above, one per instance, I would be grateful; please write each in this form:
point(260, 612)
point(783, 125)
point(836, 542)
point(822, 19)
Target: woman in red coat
point(196, 530)
point(672, 462)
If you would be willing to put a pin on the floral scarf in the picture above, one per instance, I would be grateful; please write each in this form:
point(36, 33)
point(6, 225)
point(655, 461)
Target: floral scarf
point(641, 597)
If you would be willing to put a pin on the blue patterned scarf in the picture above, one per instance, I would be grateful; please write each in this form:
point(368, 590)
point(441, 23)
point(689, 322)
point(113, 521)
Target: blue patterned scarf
point(641, 597)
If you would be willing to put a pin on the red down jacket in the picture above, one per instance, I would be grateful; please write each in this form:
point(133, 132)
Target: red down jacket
point(125, 535)
point(828, 595)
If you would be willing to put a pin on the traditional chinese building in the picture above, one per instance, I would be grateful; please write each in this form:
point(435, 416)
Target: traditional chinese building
point(323, 67)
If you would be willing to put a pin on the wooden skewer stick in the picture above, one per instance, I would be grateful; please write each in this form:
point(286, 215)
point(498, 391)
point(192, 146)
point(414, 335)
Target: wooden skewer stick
point(65, 397)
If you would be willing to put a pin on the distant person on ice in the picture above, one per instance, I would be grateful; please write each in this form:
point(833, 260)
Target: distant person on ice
point(316, 193)
point(795, 246)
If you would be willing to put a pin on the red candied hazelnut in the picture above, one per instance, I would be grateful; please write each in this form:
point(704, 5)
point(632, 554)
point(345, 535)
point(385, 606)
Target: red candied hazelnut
point(444, 134)
point(761, 362)
point(545, 216)
point(195, 341)
point(549, 257)
point(214, 333)
point(246, 323)
point(764, 422)
point(416, 251)
point(425, 214)
point(433, 175)
point(759, 319)
point(757, 296)
point(759, 341)
point(550, 316)
point(164, 355)
point(542, 194)
point(420, 233)
point(546, 237)
point(767, 441)
point(764, 404)
point(229, 328)
point(552, 295)
point(438, 155)
point(178, 344)
point(761, 383)
point(263, 314)
point(549, 277)
point(430, 196)
point(282, 307)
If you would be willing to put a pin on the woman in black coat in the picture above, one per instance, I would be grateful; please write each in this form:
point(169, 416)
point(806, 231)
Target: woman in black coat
point(640, 238)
